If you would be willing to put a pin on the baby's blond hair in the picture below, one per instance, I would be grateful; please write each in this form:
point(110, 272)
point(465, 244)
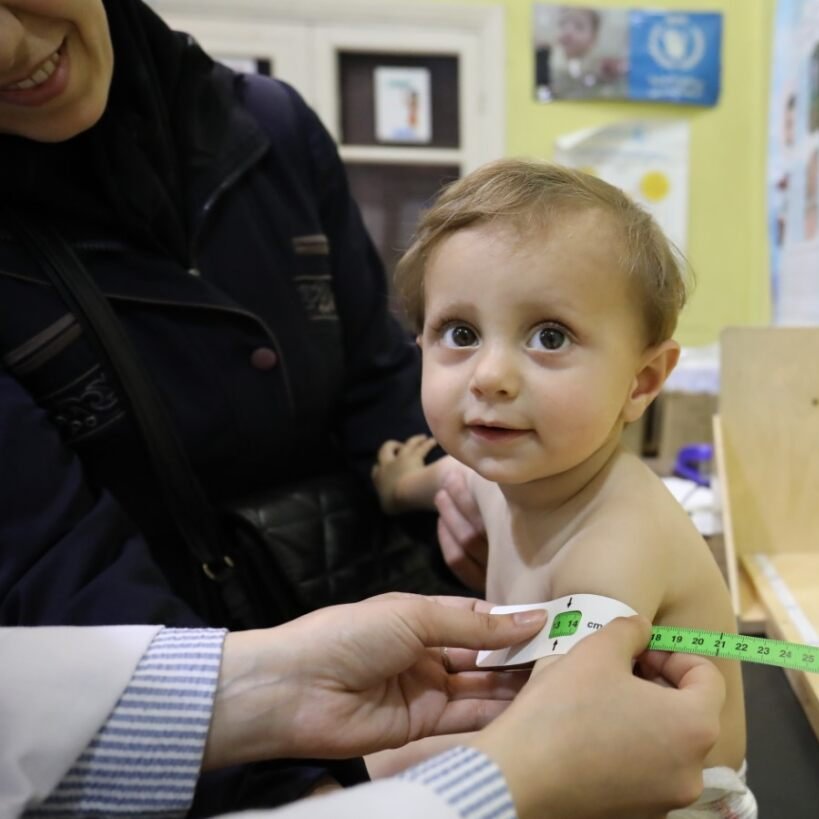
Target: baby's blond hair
point(526, 194)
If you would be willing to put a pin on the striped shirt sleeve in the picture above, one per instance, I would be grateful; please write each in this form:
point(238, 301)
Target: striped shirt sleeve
point(468, 781)
point(145, 760)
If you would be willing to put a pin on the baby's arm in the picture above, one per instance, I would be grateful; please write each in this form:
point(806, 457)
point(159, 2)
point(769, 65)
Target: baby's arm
point(403, 480)
point(616, 557)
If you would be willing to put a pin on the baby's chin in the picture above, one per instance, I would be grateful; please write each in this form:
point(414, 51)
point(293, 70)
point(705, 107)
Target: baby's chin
point(504, 474)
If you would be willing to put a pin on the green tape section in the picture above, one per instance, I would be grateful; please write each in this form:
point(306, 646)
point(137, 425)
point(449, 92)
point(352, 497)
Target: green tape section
point(797, 656)
point(565, 624)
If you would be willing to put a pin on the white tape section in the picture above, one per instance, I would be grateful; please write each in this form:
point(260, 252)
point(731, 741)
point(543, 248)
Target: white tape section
point(580, 614)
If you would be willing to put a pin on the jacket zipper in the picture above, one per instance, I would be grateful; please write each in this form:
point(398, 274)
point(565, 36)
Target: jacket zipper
point(217, 193)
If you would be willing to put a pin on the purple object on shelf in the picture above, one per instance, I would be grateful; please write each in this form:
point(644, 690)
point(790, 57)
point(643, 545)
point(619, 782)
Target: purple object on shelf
point(693, 462)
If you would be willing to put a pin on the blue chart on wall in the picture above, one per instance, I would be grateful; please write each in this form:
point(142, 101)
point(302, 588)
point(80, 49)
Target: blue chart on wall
point(675, 57)
point(587, 53)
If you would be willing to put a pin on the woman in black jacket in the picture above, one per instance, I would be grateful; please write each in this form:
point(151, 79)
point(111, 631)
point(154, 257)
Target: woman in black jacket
point(213, 212)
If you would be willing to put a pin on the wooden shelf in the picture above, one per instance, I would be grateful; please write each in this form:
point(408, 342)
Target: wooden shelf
point(766, 436)
point(800, 574)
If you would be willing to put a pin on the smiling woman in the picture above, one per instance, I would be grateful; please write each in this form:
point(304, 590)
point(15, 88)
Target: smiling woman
point(56, 62)
point(209, 207)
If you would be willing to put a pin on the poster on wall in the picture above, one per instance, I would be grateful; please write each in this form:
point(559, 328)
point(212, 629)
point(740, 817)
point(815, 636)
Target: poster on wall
point(586, 53)
point(793, 163)
point(403, 106)
point(648, 159)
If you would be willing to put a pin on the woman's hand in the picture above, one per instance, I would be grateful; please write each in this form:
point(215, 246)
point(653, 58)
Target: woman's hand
point(461, 530)
point(354, 679)
point(587, 738)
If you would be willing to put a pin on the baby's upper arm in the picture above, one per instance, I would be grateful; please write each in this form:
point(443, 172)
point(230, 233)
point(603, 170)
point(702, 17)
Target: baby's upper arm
point(617, 557)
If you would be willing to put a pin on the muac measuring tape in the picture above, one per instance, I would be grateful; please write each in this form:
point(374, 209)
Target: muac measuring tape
point(574, 617)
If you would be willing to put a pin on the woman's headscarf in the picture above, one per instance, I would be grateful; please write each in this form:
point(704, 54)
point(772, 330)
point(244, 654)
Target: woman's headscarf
point(126, 175)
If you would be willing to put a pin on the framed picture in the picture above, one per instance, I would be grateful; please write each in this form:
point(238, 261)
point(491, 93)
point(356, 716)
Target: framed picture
point(403, 109)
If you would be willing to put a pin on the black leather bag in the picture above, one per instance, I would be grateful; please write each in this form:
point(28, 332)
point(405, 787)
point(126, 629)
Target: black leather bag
point(325, 541)
point(271, 556)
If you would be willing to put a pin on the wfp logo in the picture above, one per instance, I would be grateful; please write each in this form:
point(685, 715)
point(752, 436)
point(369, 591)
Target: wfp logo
point(676, 45)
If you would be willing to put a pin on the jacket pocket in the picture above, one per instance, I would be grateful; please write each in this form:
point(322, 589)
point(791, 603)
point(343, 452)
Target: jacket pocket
point(312, 277)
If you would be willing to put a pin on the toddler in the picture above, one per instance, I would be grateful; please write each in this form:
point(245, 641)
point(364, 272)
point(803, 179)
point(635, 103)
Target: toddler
point(545, 302)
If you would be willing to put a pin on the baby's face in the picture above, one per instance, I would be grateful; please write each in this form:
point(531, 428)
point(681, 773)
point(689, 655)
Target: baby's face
point(576, 32)
point(531, 346)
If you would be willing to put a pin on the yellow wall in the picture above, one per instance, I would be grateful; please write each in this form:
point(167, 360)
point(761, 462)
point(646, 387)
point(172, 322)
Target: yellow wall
point(727, 239)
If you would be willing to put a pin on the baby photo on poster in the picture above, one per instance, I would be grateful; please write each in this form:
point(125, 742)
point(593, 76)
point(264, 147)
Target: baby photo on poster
point(581, 52)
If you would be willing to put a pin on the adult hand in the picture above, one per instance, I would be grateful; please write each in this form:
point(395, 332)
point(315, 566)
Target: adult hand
point(354, 679)
point(461, 530)
point(586, 738)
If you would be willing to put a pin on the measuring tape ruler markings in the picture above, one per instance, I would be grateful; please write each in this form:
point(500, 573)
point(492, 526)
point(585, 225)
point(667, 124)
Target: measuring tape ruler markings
point(727, 646)
point(574, 617)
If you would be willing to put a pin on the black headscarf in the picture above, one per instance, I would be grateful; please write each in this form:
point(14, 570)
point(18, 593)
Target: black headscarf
point(126, 176)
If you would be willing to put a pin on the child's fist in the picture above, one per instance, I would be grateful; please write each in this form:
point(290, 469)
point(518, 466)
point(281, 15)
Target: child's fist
point(395, 462)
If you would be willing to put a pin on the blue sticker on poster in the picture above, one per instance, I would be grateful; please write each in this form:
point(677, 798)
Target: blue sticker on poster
point(675, 57)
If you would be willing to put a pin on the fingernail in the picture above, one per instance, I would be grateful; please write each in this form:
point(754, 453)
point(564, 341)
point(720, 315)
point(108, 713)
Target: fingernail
point(530, 617)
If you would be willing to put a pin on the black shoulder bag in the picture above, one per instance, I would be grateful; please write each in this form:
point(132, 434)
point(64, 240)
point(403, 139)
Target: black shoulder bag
point(274, 555)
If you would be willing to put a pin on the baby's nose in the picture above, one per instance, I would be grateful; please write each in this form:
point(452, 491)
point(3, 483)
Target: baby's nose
point(496, 373)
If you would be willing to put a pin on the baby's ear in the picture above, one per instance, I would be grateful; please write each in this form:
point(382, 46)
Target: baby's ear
point(656, 365)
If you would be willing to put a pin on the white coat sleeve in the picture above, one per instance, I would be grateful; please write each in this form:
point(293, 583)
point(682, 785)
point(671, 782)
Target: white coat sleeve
point(57, 687)
point(145, 759)
point(460, 784)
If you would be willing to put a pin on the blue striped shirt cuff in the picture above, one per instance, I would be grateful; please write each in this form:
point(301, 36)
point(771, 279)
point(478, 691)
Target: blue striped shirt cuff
point(145, 760)
point(468, 781)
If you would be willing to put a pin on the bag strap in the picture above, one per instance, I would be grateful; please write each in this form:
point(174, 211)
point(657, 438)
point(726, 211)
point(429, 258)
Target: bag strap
point(179, 486)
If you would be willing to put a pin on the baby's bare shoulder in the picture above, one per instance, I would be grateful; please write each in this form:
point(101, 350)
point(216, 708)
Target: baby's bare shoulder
point(636, 497)
point(631, 542)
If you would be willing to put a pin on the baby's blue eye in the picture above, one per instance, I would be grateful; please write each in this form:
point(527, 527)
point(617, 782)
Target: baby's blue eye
point(549, 338)
point(460, 335)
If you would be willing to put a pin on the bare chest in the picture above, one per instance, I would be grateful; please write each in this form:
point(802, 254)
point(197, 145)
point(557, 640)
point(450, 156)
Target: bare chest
point(516, 572)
